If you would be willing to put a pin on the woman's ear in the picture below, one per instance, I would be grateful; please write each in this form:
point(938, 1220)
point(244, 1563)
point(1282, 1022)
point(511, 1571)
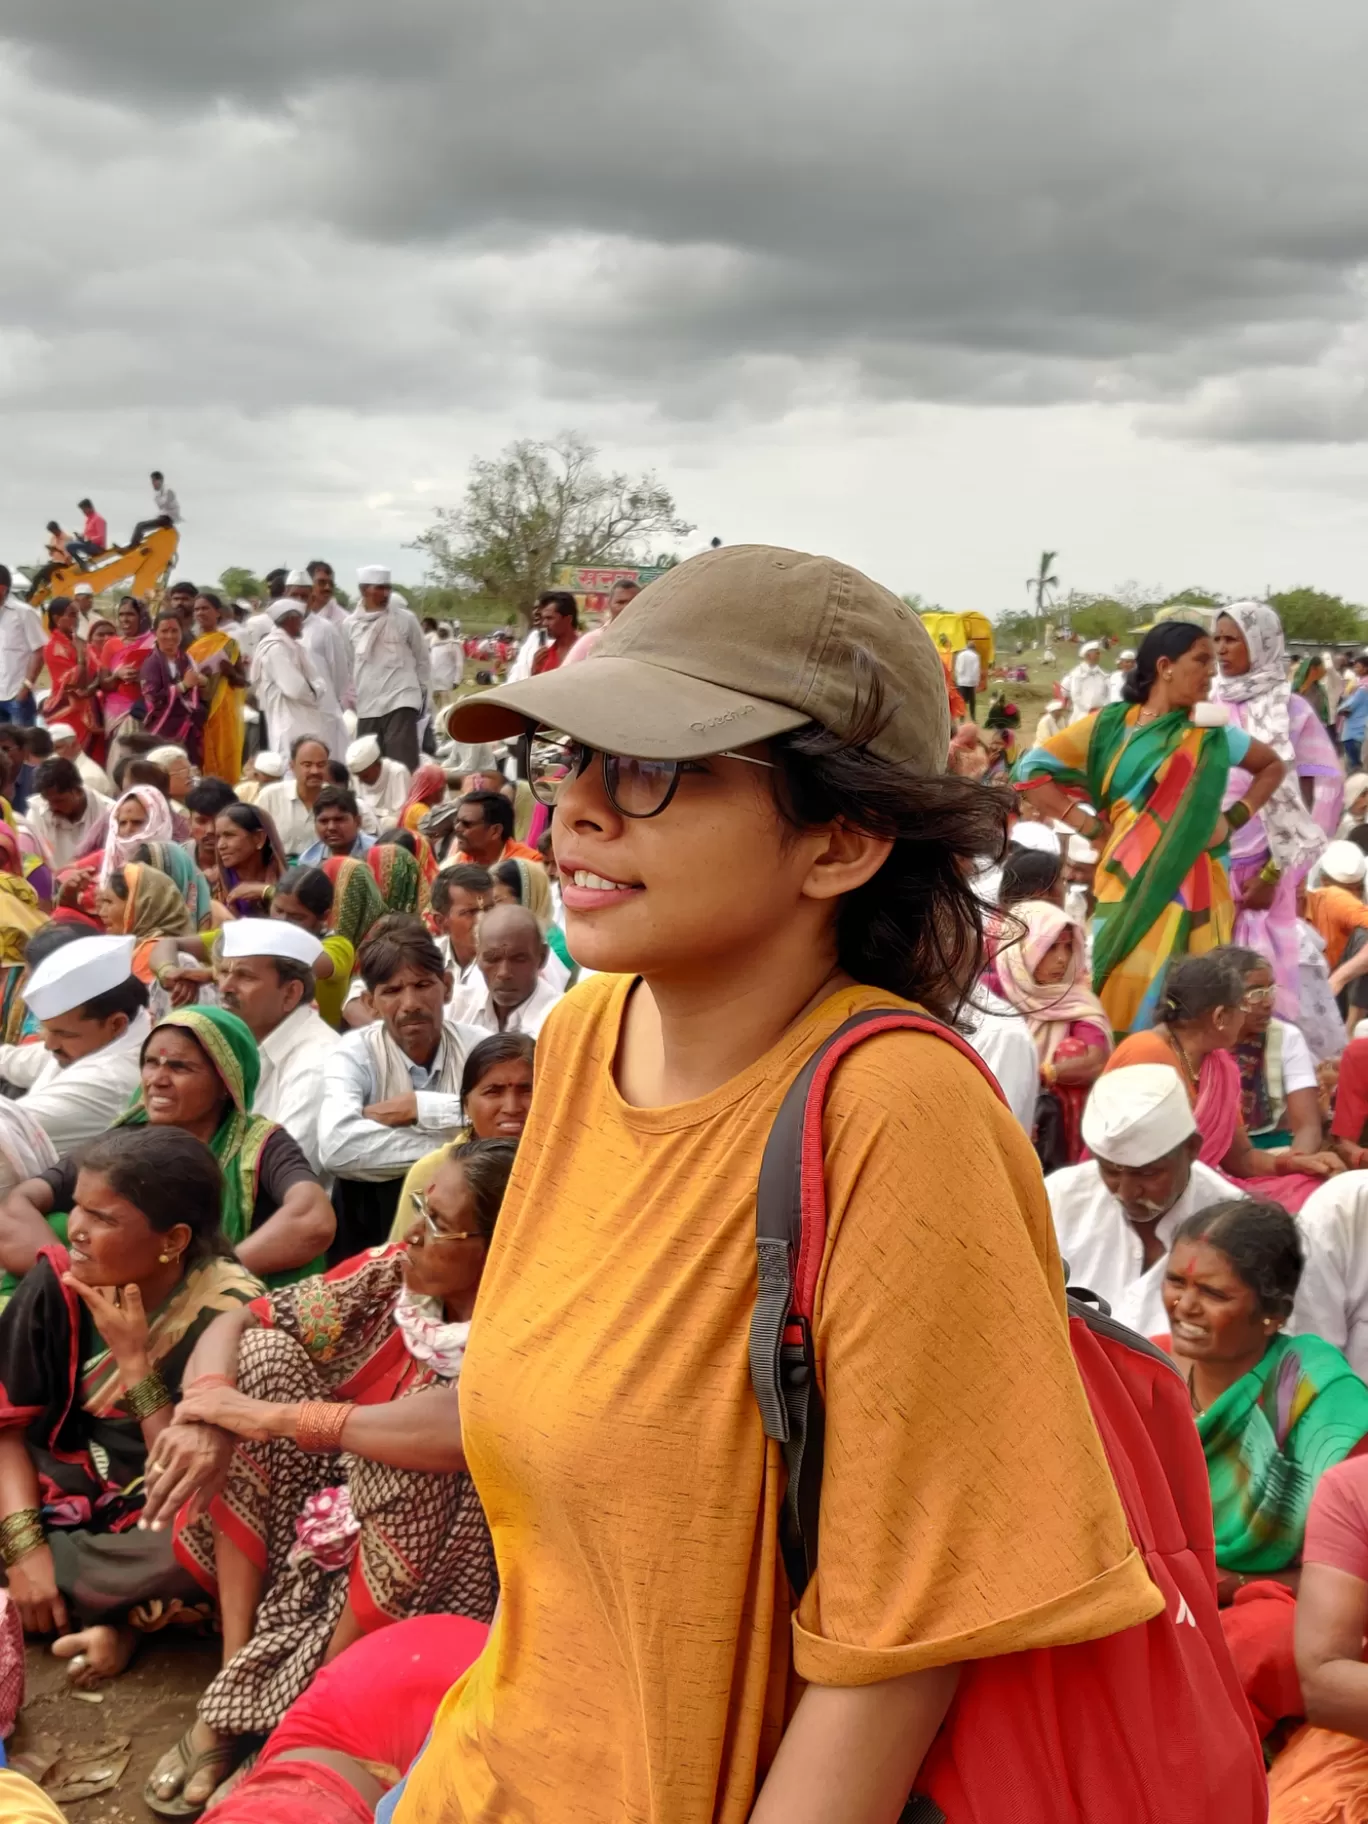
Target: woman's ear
point(846, 860)
point(177, 1239)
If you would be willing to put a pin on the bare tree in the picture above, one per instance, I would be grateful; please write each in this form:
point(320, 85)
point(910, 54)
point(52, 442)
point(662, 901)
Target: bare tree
point(536, 507)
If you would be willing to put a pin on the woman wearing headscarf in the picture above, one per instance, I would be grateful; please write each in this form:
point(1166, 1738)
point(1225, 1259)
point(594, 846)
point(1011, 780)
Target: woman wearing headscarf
point(140, 815)
point(427, 790)
point(1154, 772)
point(251, 858)
point(1308, 683)
point(200, 1069)
point(357, 901)
point(1043, 973)
point(397, 875)
point(140, 901)
point(1275, 850)
point(1355, 803)
point(171, 859)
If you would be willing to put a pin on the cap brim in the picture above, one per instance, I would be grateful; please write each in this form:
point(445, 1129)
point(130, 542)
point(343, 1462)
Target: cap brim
point(625, 706)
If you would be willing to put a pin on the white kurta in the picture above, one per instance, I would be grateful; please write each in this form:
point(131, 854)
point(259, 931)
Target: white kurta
point(470, 1005)
point(330, 650)
point(292, 696)
point(1003, 1040)
point(390, 660)
point(1088, 687)
point(76, 1105)
point(1104, 1253)
point(291, 1085)
point(66, 838)
point(382, 802)
point(1332, 1299)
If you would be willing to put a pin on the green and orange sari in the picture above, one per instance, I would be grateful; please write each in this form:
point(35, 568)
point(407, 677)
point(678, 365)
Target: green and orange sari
point(1161, 889)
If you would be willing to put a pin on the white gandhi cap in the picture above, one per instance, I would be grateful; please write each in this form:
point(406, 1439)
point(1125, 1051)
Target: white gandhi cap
point(1038, 836)
point(1137, 1115)
point(363, 752)
point(1344, 862)
point(83, 589)
point(61, 731)
point(269, 937)
point(286, 606)
point(373, 576)
point(299, 579)
point(273, 765)
point(77, 973)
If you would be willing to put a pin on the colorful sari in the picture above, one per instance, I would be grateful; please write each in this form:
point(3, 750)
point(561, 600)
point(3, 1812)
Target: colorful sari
point(121, 696)
point(237, 1144)
point(224, 724)
point(357, 902)
point(328, 1530)
point(397, 875)
point(1160, 891)
point(179, 864)
point(59, 1385)
point(20, 916)
point(427, 790)
point(1269, 1439)
point(66, 668)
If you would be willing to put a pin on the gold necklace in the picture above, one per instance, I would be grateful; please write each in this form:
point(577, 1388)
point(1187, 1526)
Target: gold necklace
point(1176, 1044)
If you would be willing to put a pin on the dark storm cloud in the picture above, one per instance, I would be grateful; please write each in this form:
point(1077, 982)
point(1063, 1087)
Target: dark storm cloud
point(698, 205)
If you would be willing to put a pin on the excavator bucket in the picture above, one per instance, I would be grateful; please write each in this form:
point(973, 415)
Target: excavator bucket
point(137, 568)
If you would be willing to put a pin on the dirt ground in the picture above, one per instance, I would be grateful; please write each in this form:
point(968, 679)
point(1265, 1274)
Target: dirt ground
point(152, 1704)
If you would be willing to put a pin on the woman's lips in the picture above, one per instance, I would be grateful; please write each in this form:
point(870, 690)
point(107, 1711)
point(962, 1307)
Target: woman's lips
point(584, 891)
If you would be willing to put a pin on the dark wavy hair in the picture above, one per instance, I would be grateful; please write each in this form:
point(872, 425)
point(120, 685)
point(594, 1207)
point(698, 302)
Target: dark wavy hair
point(1169, 640)
point(1261, 1242)
point(916, 927)
point(1196, 985)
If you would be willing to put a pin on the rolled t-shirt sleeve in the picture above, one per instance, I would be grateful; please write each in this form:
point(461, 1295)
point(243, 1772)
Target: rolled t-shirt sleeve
point(967, 1508)
point(1337, 1524)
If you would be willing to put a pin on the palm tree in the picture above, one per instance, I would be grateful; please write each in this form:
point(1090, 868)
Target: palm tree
point(1041, 584)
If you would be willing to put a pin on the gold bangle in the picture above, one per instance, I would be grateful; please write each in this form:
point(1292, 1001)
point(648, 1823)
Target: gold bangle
point(319, 1425)
point(147, 1396)
point(20, 1534)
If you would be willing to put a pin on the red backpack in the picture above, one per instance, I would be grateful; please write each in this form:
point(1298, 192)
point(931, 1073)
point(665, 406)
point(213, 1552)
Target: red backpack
point(1148, 1726)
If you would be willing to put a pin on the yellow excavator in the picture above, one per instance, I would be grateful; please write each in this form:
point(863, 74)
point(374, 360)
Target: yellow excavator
point(138, 569)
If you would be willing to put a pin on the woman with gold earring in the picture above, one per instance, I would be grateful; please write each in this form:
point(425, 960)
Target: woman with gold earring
point(92, 1349)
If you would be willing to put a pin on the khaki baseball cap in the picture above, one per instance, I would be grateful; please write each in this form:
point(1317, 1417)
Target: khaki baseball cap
point(735, 646)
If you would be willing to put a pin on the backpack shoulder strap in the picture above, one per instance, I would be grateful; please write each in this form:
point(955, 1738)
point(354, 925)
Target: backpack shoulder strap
point(790, 1241)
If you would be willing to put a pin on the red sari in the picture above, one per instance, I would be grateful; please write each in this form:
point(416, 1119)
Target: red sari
point(66, 667)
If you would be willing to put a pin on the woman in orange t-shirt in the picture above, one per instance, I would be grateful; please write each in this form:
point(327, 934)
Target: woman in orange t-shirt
point(790, 853)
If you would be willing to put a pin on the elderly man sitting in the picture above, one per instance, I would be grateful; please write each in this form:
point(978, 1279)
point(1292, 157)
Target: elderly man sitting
point(1115, 1213)
point(507, 992)
point(381, 785)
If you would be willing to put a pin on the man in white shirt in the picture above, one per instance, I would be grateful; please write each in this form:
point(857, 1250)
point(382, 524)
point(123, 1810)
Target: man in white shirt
point(329, 648)
point(93, 1013)
point(21, 655)
point(168, 509)
point(322, 600)
point(289, 803)
point(64, 812)
point(289, 691)
point(67, 746)
point(1332, 1299)
point(448, 664)
point(1114, 1215)
point(392, 668)
point(1087, 684)
point(265, 976)
point(381, 785)
point(1003, 1040)
point(506, 993)
point(392, 1089)
point(1125, 665)
point(968, 677)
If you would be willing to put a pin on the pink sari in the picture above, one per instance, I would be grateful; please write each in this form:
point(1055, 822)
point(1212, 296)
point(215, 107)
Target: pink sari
point(1217, 1111)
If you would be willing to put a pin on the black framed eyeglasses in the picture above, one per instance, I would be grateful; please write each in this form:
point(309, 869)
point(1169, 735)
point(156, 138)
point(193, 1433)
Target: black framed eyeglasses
point(634, 787)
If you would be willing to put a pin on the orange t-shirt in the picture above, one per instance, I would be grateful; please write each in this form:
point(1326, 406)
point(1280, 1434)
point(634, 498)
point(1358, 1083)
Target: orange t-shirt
point(645, 1659)
point(1337, 914)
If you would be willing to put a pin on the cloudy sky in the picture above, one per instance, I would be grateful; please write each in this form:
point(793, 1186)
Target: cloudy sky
point(929, 284)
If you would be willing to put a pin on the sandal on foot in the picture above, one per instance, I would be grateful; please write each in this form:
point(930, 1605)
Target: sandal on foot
point(188, 1762)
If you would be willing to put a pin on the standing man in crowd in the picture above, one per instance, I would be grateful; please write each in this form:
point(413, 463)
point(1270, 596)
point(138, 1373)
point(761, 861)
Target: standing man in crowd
point(623, 592)
point(21, 655)
point(1087, 684)
point(289, 803)
point(330, 651)
point(392, 668)
point(322, 599)
point(168, 509)
point(94, 533)
point(381, 785)
point(968, 678)
point(289, 691)
point(560, 623)
point(265, 977)
point(1116, 684)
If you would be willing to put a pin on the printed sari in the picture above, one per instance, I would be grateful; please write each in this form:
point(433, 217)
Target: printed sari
point(1160, 890)
point(331, 1530)
point(66, 668)
point(224, 724)
point(60, 1387)
point(1269, 1439)
point(398, 876)
point(356, 898)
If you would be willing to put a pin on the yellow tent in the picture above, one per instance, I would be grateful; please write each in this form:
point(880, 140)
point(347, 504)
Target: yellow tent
point(952, 632)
